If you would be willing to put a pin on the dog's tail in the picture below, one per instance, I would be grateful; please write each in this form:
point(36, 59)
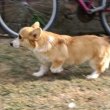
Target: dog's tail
point(107, 58)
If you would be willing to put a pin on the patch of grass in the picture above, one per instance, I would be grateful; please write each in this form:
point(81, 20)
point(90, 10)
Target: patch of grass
point(19, 90)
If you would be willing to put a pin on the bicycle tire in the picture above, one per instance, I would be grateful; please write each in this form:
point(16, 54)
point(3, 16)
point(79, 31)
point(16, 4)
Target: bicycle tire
point(104, 18)
point(49, 8)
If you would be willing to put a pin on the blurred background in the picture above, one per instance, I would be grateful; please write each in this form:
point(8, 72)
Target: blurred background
point(68, 23)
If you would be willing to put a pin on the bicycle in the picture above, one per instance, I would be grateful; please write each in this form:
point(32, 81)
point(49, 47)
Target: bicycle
point(26, 12)
point(47, 12)
point(88, 9)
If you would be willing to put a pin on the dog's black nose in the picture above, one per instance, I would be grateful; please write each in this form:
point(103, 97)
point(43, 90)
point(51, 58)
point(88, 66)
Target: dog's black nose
point(11, 44)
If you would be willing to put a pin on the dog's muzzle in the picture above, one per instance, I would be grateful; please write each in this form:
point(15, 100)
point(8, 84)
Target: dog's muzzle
point(15, 43)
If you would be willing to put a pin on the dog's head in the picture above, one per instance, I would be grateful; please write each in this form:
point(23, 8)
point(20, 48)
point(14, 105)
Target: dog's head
point(28, 37)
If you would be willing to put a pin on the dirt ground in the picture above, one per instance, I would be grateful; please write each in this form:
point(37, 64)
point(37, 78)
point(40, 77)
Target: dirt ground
point(19, 90)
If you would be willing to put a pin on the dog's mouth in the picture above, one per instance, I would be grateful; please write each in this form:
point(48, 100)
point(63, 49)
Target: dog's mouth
point(14, 45)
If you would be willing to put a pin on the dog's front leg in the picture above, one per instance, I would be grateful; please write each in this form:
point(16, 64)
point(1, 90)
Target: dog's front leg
point(56, 66)
point(43, 70)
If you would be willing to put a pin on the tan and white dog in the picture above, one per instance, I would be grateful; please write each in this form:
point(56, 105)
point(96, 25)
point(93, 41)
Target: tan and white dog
point(54, 50)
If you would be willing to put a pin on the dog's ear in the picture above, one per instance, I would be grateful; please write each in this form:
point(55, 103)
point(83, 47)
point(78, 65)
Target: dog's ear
point(36, 33)
point(36, 25)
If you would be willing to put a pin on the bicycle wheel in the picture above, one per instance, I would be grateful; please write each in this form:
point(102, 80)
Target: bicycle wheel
point(16, 14)
point(105, 17)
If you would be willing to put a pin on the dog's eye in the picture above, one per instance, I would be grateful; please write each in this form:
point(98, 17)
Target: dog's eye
point(20, 37)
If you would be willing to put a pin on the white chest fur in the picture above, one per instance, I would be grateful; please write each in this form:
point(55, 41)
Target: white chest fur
point(41, 57)
point(38, 51)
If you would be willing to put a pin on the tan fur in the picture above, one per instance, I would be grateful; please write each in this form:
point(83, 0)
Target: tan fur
point(60, 50)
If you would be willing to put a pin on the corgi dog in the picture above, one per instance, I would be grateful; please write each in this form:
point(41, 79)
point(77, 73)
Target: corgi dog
point(54, 51)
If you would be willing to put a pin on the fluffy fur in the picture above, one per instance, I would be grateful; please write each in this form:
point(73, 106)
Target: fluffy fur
point(54, 50)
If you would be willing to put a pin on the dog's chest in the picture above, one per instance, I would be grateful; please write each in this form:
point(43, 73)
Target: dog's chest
point(42, 58)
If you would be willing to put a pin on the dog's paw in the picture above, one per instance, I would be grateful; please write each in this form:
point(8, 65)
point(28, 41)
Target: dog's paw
point(94, 75)
point(56, 70)
point(38, 74)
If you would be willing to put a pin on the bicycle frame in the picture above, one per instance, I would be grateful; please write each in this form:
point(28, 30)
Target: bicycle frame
point(88, 9)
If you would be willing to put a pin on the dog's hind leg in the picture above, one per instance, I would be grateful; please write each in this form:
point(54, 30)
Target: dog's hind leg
point(43, 70)
point(93, 75)
point(99, 66)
